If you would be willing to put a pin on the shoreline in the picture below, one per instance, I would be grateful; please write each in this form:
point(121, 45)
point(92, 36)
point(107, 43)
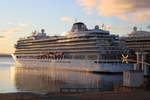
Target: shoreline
point(140, 95)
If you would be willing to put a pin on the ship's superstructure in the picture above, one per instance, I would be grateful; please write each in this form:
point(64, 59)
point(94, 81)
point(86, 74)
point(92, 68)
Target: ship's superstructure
point(139, 42)
point(79, 49)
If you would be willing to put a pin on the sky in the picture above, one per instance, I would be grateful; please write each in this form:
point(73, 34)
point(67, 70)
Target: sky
point(18, 18)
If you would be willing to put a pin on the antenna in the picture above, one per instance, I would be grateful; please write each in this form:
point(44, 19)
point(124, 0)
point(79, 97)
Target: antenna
point(103, 26)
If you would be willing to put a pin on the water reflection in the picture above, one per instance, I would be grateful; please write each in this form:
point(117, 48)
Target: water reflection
point(46, 80)
point(147, 83)
point(6, 78)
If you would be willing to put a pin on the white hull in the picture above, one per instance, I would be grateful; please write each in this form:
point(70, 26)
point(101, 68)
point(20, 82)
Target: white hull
point(81, 65)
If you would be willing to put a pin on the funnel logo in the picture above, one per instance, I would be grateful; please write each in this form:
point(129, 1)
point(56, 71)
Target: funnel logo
point(124, 58)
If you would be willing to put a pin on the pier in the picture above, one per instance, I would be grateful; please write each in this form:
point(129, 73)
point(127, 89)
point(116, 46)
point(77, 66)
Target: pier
point(78, 96)
point(70, 90)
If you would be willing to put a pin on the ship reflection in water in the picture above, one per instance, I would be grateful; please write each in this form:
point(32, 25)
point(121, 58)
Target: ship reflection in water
point(45, 80)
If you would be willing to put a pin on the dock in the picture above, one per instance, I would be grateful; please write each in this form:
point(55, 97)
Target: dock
point(70, 90)
point(145, 95)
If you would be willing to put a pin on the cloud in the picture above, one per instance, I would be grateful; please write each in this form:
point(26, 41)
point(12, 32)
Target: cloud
point(110, 27)
point(66, 19)
point(23, 25)
point(2, 37)
point(15, 30)
point(142, 17)
point(18, 24)
point(88, 4)
point(135, 10)
point(6, 37)
point(125, 18)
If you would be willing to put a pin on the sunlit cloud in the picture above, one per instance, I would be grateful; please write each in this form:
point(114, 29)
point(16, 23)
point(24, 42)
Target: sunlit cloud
point(67, 19)
point(18, 24)
point(2, 37)
point(89, 5)
point(23, 25)
point(123, 17)
point(117, 28)
point(142, 17)
point(6, 37)
point(128, 10)
point(15, 30)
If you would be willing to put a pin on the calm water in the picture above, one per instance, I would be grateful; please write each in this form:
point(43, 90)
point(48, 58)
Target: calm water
point(44, 80)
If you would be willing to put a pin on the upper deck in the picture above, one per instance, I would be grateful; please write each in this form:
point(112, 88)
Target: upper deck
point(78, 30)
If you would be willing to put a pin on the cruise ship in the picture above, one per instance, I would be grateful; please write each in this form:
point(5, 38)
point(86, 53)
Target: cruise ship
point(79, 49)
point(139, 42)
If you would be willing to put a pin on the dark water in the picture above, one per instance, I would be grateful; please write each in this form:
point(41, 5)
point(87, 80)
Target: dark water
point(45, 80)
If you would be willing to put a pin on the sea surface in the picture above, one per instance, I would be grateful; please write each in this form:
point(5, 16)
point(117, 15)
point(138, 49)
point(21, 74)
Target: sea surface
point(15, 78)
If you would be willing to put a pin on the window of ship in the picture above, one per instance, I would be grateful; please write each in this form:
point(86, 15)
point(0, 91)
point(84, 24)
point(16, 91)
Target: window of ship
point(60, 48)
point(99, 33)
point(112, 57)
point(57, 43)
point(67, 57)
point(92, 57)
point(21, 56)
point(79, 57)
